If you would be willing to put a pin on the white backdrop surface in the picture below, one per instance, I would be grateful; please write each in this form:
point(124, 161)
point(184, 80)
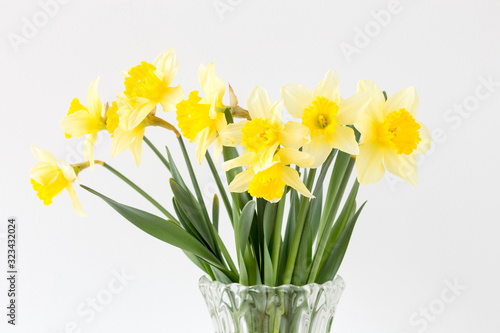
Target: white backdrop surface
point(423, 259)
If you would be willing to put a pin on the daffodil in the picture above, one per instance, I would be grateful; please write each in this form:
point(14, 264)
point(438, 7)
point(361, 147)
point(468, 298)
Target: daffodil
point(269, 183)
point(149, 85)
point(49, 179)
point(390, 133)
point(326, 114)
point(265, 132)
point(199, 118)
point(86, 121)
point(124, 136)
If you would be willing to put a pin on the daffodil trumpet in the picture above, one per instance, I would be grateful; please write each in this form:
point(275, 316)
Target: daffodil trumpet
point(286, 167)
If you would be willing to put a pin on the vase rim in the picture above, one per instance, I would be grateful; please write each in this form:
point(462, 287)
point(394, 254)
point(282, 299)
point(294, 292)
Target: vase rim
point(337, 282)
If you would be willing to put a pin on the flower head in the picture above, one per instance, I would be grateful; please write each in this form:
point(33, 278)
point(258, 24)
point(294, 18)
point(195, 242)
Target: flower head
point(265, 132)
point(149, 85)
point(199, 118)
point(49, 179)
point(326, 114)
point(124, 136)
point(390, 135)
point(269, 183)
point(86, 121)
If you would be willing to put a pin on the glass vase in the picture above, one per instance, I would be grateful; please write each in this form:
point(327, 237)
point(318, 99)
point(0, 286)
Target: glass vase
point(235, 308)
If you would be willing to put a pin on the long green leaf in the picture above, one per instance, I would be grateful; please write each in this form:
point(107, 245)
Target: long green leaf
point(343, 219)
point(162, 229)
point(332, 264)
point(245, 224)
point(192, 210)
point(215, 212)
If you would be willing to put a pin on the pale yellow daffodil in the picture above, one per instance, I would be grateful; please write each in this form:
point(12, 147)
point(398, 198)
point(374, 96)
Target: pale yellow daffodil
point(49, 179)
point(390, 133)
point(201, 119)
point(149, 85)
point(265, 132)
point(326, 114)
point(86, 121)
point(124, 136)
point(269, 183)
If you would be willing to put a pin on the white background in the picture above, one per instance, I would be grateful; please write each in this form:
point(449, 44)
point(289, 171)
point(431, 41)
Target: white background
point(409, 241)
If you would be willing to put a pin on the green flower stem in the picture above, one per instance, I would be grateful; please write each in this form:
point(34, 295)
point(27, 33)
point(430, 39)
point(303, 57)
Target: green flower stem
point(277, 235)
point(214, 234)
point(301, 219)
point(220, 186)
point(193, 178)
point(324, 236)
point(140, 191)
point(157, 152)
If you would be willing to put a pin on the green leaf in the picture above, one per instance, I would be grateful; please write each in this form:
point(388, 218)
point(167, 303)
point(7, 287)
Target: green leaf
point(245, 224)
point(269, 220)
point(268, 267)
point(186, 222)
point(332, 264)
point(344, 217)
point(162, 229)
point(192, 210)
point(175, 172)
point(215, 212)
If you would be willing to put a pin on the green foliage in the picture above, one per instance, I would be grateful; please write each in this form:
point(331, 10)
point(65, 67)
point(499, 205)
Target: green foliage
point(315, 237)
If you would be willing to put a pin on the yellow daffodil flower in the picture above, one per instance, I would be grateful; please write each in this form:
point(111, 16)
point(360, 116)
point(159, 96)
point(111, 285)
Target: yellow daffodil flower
point(49, 179)
point(269, 183)
point(149, 84)
point(389, 132)
point(124, 136)
point(265, 132)
point(86, 121)
point(325, 113)
point(198, 117)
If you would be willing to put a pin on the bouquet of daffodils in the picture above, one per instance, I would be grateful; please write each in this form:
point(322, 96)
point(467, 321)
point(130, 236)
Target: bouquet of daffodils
point(300, 167)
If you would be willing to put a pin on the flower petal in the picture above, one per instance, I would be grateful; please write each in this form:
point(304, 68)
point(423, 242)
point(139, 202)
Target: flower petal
point(88, 151)
point(318, 148)
point(369, 167)
point(351, 109)
point(209, 82)
point(232, 134)
point(204, 139)
point(172, 96)
point(166, 65)
point(241, 181)
point(140, 113)
point(401, 165)
point(43, 155)
point(329, 87)
point(94, 104)
point(377, 100)
point(136, 146)
point(77, 206)
point(289, 156)
point(343, 139)
point(291, 178)
point(258, 103)
point(425, 142)
point(245, 159)
point(404, 99)
point(294, 135)
point(296, 98)
point(121, 140)
point(275, 112)
point(80, 123)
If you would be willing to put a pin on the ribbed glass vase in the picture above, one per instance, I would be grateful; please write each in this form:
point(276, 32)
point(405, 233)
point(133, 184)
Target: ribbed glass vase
point(235, 308)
